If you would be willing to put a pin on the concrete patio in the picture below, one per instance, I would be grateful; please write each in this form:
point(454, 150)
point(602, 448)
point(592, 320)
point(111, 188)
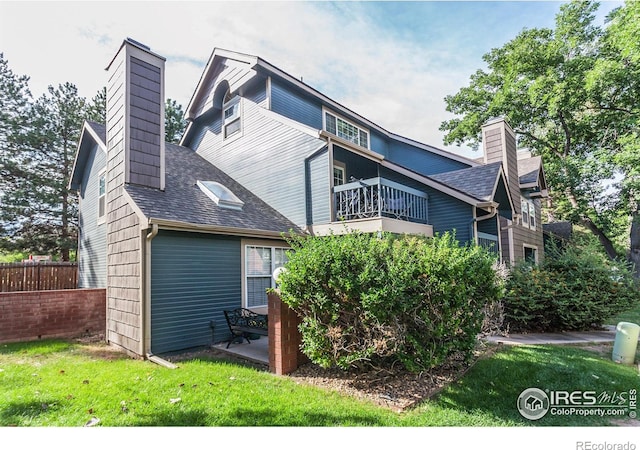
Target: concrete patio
point(257, 351)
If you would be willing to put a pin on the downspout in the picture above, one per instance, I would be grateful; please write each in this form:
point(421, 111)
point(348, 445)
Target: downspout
point(475, 220)
point(146, 308)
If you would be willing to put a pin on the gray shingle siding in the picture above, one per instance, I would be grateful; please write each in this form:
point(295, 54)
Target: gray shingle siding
point(92, 240)
point(145, 123)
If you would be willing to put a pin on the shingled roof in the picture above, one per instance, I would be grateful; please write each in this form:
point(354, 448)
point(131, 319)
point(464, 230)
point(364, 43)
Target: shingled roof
point(529, 170)
point(477, 182)
point(183, 201)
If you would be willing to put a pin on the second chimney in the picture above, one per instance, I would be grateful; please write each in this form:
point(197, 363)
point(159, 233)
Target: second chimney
point(499, 142)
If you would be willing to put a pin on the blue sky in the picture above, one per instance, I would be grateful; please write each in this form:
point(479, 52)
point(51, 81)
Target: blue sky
point(393, 62)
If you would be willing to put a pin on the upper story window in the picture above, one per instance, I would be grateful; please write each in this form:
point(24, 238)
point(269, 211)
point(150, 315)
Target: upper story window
point(102, 196)
point(345, 130)
point(528, 213)
point(231, 123)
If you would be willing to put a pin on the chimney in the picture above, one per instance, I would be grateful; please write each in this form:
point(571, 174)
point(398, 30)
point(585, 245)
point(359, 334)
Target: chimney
point(499, 142)
point(135, 117)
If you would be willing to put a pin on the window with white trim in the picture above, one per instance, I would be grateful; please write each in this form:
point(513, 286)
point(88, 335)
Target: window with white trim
point(528, 209)
point(345, 130)
point(339, 173)
point(102, 196)
point(260, 263)
point(231, 123)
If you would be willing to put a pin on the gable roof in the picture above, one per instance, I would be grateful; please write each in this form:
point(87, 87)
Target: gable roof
point(486, 183)
point(184, 205)
point(529, 170)
point(479, 182)
point(257, 63)
point(92, 133)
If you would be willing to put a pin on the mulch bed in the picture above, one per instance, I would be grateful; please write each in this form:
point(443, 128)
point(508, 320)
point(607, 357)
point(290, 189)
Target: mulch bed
point(398, 390)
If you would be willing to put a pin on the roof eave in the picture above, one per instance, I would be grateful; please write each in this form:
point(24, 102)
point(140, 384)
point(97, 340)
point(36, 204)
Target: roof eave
point(74, 184)
point(200, 87)
point(216, 229)
point(480, 203)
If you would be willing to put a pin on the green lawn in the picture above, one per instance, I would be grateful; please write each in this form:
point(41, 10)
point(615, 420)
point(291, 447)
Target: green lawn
point(56, 383)
point(631, 315)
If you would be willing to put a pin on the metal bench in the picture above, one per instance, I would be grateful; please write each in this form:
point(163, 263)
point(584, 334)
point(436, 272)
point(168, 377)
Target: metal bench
point(243, 322)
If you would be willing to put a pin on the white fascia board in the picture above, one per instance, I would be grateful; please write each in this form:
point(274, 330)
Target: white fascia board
point(185, 134)
point(502, 176)
point(86, 129)
point(142, 218)
point(212, 229)
point(374, 156)
point(215, 55)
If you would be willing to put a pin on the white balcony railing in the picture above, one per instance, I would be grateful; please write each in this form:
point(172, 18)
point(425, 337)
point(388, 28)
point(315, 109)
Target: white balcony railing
point(379, 197)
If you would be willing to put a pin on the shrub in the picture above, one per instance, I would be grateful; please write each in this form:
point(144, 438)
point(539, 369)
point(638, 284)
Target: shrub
point(574, 289)
point(368, 300)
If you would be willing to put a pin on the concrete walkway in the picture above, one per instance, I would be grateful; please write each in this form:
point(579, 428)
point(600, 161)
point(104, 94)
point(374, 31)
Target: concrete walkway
point(578, 337)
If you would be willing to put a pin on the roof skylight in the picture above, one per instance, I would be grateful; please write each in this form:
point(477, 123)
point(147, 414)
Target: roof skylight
point(221, 195)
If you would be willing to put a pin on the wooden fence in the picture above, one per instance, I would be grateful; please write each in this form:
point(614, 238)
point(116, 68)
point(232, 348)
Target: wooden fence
point(41, 276)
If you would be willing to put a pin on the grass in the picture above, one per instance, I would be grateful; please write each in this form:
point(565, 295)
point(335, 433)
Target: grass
point(58, 383)
point(631, 315)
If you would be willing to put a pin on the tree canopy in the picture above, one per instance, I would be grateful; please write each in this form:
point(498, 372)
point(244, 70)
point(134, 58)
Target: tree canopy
point(571, 95)
point(38, 141)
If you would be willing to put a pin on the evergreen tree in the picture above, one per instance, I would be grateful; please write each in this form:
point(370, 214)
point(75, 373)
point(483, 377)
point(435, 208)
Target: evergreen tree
point(174, 123)
point(38, 141)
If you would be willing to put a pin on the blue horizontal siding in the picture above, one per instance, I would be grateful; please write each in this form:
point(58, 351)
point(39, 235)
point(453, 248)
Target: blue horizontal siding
point(268, 159)
point(449, 214)
point(295, 106)
point(194, 278)
point(421, 161)
point(319, 193)
point(92, 241)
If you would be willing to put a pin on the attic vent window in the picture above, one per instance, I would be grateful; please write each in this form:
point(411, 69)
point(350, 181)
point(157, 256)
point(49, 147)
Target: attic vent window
point(221, 195)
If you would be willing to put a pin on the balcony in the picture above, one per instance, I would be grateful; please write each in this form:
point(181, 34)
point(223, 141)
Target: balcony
point(378, 204)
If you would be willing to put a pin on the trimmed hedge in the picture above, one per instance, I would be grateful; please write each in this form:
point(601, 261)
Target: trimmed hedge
point(375, 300)
point(574, 289)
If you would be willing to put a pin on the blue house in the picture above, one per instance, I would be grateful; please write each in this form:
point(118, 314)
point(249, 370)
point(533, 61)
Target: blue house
point(179, 233)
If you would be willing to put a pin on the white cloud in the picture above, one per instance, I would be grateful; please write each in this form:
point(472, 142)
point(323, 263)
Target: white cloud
point(397, 81)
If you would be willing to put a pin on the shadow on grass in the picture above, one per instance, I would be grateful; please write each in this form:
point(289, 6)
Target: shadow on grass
point(243, 417)
point(14, 414)
point(36, 348)
point(493, 385)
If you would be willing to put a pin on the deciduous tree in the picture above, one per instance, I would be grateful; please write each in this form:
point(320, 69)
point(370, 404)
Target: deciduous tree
point(571, 95)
